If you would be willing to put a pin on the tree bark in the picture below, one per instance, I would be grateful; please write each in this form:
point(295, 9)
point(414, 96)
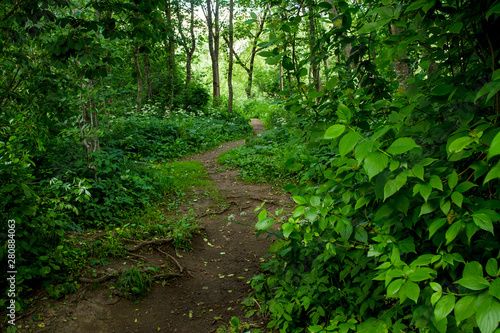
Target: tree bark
point(400, 66)
point(185, 42)
point(213, 45)
point(147, 74)
point(230, 71)
point(312, 37)
point(249, 66)
point(171, 54)
point(137, 67)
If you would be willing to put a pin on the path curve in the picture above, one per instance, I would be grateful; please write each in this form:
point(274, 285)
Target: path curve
point(224, 257)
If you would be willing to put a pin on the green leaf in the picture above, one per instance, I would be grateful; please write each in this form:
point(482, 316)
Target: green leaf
point(287, 229)
point(457, 198)
point(373, 26)
point(401, 145)
point(360, 234)
point(235, 322)
point(436, 297)
point(460, 144)
point(425, 191)
point(436, 286)
point(435, 182)
point(495, 9)
point(452, 231)
point(427, 208)
point(421, 274)
point(348, 142)
point(418, 171)
point(392, 186)
point(494, 173)
point(344, 113)
point(495, 288)
point(465, 307)
point(435, 226)
point(315, 201)
point(375, 163)
point(442, 89)
point(488, 316)
point(362, 150)
point(412, 290)
point(394, 287)
point(473, 282)
point(334, 131)
point(483, 221)
point(299, 200)
point(452, 180)
point(315, 328)
point(455, 28)
point(490, 88)
point(264, 224)
point(444, 307)
point(492, 267)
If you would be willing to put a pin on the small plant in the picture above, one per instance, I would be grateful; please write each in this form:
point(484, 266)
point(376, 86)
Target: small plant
point(134, 283)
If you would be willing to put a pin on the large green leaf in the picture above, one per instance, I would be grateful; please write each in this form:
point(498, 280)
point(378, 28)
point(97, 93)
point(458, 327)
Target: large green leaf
point(348, 142)
point(483, 221)
point(493, 173)
point(264, 224)
point(473, 282)
point(401, 145)
point(375, 163)
point(344, 113)
point(334, 131)
point(444, 307)
point(465, 307)
point(488, 315)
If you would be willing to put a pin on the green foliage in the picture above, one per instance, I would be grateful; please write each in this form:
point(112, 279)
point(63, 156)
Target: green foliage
point(151, 138)
point(134, 283)
point(261, 159)
point(398, 200)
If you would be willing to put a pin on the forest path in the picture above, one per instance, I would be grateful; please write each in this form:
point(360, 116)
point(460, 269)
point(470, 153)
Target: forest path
point(224, 256)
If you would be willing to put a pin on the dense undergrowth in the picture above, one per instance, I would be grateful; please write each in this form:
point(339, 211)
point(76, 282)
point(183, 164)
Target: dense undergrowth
point(128, 178)
point(398, 194)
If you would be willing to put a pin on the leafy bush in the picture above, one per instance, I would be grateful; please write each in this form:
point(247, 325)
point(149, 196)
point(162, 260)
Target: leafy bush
point(151, 138)
point(399, 198)
point(261, 159)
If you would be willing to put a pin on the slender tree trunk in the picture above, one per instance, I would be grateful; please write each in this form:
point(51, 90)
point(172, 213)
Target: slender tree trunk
point(89, 127)
point(189, 50)
point(230, 72)
point(147, 74)
point(312, 37)
point(139, 80)
point(171, 55)
point(400, 65)
point(281, 78)
point(213, 45)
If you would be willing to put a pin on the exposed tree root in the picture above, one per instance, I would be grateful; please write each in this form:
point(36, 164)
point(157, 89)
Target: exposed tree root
point(164, 276)
point(98, 280)
point(181, 269)
point(151, 242)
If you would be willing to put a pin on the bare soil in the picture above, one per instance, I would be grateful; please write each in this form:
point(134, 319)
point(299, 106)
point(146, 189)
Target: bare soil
point(224, 256)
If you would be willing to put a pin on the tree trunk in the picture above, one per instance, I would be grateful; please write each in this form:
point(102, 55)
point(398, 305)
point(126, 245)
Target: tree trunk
point(312, 37)
point(189, 50)
point(89, 127)
point(400, 65)
point(230, 71)
point(147, 74)
point(139, 80)
point(171, 55)
point(213, 45)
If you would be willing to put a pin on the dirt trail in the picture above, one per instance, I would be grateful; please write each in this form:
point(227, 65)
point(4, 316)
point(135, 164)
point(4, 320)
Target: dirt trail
point(224, 256)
